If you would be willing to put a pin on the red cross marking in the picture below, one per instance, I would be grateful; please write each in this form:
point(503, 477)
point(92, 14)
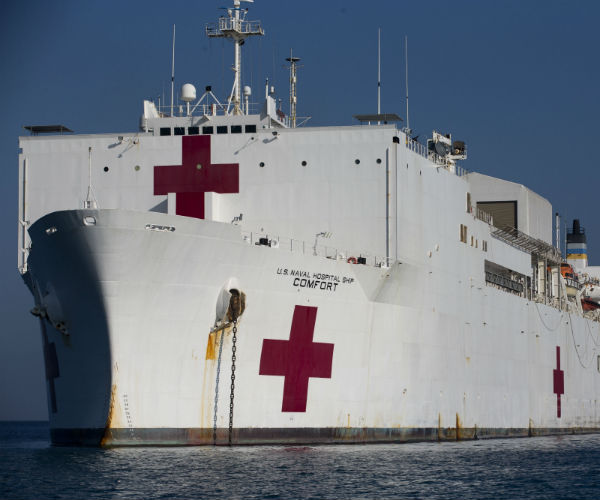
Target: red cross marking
point(195, 176)
point(559, 382)
point(297, 359)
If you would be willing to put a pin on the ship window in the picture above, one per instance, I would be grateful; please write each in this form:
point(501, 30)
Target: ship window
point(357, 161)
point(250, 129)
point(179, 130)
point(165, 131)
point(236, 129)
point(469, 207)
point(463, 233)
point(378, 161)
point(598, 363)
point(261, 164)
point(106, 169)
point(303, 163)
point(208, 130)
point(193, 130)
point(484, 245)
point(472, 240)
point(222, 129)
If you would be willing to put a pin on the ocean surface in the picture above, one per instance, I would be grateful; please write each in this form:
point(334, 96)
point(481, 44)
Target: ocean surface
point(550, 467)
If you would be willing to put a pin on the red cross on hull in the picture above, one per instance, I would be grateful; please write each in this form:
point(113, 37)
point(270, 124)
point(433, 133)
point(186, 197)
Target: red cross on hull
point(559, 382)
point(195, 177)
point(297, 359)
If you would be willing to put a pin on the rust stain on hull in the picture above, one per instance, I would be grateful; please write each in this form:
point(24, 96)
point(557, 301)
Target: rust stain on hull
point(110, 416)
point(305, 436)
point(211, 351)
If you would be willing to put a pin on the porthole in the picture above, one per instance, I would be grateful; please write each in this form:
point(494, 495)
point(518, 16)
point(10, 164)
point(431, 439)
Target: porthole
point(378, 161)
point(303, 163)
point(106, 169)
point(137, 168)
point(88, 220)
point(357, 161)
point(261, 164)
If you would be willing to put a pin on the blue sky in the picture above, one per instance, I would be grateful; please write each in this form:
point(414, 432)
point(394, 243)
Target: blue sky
point(518, 81)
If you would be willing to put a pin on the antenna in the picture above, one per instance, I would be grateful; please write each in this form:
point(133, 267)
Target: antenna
point(408, 130)
point(293, 80)
point(558, 232)
point(172, 70)
point(379, 71)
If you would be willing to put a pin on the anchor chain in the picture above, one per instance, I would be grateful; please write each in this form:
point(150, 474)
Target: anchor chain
point(217, 387)
point(233, 359)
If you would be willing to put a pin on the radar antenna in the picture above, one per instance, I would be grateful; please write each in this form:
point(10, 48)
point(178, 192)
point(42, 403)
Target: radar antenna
point(236, 27)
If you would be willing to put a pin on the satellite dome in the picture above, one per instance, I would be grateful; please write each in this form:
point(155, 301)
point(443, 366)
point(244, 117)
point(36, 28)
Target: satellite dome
point(247, 90)
point(188, 92)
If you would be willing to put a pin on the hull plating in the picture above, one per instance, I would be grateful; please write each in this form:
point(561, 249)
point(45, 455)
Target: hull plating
point(415, 354)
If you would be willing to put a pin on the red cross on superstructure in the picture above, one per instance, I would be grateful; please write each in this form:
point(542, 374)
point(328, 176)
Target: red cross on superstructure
point(195, 176)
point(559, 382)
point(297, 359)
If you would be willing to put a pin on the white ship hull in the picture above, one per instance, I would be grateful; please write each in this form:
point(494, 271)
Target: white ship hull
point(411, 354)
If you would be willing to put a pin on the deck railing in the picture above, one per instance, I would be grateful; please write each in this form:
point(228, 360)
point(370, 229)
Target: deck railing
point(307, 248)
point(422, 150)
point(484, 216)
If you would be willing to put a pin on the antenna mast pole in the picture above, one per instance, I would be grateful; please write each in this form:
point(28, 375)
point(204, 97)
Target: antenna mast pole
point(236, 27)
point(293, 95)
point(406, 72)
point(379, 71)
point(172, 69)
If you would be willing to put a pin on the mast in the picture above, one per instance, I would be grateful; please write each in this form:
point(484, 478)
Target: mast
point(379, 71)
point(406, 72)
point(293, 95)
point(172, 70)
point(235, 27)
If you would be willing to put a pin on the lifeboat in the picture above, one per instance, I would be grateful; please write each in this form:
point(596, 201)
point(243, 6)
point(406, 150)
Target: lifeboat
point(589, 305)
point(571, 279)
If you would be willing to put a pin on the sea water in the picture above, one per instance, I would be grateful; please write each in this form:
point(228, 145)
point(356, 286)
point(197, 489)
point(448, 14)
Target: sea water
point(547, 467)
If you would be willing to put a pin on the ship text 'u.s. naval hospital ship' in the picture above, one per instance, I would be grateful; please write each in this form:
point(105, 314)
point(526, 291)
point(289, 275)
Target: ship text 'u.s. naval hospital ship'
point(228, 277)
